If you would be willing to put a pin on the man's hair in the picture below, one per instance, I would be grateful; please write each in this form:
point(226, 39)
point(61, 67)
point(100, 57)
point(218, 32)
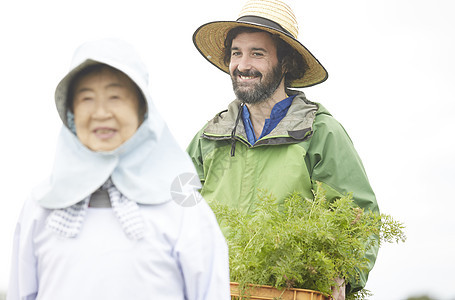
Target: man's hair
point(291, 61)
point(95, 69)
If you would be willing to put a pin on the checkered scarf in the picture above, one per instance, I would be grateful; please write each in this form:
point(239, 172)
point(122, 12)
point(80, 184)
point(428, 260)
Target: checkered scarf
point(68, 221)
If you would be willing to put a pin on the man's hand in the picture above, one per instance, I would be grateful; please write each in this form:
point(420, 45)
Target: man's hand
point(339, 291)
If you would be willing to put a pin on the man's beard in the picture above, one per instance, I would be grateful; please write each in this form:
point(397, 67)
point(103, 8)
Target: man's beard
point(253, 93)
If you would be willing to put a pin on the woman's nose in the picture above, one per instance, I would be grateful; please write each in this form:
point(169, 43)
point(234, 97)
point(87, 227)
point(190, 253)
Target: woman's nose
point(102, 110)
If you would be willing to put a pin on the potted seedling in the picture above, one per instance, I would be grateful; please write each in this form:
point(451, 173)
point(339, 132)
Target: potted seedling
point(280, 250)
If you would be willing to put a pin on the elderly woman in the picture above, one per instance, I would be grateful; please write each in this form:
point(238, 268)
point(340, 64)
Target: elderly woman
point(105, 225)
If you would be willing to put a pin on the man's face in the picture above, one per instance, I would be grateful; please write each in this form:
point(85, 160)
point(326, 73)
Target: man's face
point(105, 109)
point(254, 67)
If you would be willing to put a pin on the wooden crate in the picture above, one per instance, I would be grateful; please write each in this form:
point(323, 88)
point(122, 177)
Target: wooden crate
point(264, 292)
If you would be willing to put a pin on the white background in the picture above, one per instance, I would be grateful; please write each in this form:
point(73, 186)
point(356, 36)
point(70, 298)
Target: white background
point(391, 79)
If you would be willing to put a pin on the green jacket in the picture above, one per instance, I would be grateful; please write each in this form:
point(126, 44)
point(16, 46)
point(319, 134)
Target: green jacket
point(306, 147)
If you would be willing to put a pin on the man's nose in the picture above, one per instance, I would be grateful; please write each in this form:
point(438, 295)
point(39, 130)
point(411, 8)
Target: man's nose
point(244, 64)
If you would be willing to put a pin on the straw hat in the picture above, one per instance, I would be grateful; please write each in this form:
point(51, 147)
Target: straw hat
point(273, 16)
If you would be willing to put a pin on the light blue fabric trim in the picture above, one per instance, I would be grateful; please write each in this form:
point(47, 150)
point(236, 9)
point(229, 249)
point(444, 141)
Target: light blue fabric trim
point(70, 121)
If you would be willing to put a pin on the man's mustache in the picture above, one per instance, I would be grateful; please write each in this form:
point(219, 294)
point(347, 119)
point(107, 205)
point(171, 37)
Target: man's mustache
point(249, 73)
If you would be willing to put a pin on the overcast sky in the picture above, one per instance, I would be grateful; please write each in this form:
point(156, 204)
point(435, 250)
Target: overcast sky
point(391, 79)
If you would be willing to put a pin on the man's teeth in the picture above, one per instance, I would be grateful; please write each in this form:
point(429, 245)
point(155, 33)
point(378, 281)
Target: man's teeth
point(246, 77)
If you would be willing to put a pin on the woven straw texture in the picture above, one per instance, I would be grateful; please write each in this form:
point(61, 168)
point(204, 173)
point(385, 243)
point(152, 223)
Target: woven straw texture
point(209, 38)
point(276, 11)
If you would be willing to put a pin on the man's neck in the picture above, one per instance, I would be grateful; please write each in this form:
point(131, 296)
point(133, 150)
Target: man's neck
point(261, 111)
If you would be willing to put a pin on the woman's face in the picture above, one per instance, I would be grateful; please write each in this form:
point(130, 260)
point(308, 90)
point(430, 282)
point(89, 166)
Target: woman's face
point(106, 109)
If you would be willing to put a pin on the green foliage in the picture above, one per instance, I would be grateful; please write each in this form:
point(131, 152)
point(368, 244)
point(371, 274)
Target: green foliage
point(302, 243)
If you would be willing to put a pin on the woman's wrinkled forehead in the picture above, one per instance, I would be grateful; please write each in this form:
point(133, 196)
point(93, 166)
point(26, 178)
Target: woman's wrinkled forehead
point(91, 72)
point(100, 69)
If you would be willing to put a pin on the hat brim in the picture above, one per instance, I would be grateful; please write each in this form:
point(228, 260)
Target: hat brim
point(209, 40)
point(61, 92)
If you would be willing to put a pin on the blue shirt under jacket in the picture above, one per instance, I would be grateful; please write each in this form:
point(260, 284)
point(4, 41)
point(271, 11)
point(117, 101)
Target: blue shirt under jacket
point(279, 110)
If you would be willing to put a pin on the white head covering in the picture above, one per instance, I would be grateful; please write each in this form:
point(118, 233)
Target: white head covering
point(142, 168)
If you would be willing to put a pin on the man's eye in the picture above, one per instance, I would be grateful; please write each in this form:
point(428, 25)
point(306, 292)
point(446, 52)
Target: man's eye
point(258, 54)
point(235, 54)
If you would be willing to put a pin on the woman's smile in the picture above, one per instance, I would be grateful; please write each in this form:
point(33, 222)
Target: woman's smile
point(104, 133)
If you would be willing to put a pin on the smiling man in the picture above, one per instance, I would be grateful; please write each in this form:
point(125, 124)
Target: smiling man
point(254, 66)
point(272, 138)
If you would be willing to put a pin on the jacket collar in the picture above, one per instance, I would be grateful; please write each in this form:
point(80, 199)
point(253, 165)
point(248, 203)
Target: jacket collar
point(293, 128)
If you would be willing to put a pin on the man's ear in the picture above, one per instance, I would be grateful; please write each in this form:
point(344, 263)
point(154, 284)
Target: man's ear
point(284, 72)
point(285, 66)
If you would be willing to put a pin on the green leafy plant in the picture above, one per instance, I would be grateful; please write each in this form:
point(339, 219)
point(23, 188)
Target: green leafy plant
point(302, 243)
